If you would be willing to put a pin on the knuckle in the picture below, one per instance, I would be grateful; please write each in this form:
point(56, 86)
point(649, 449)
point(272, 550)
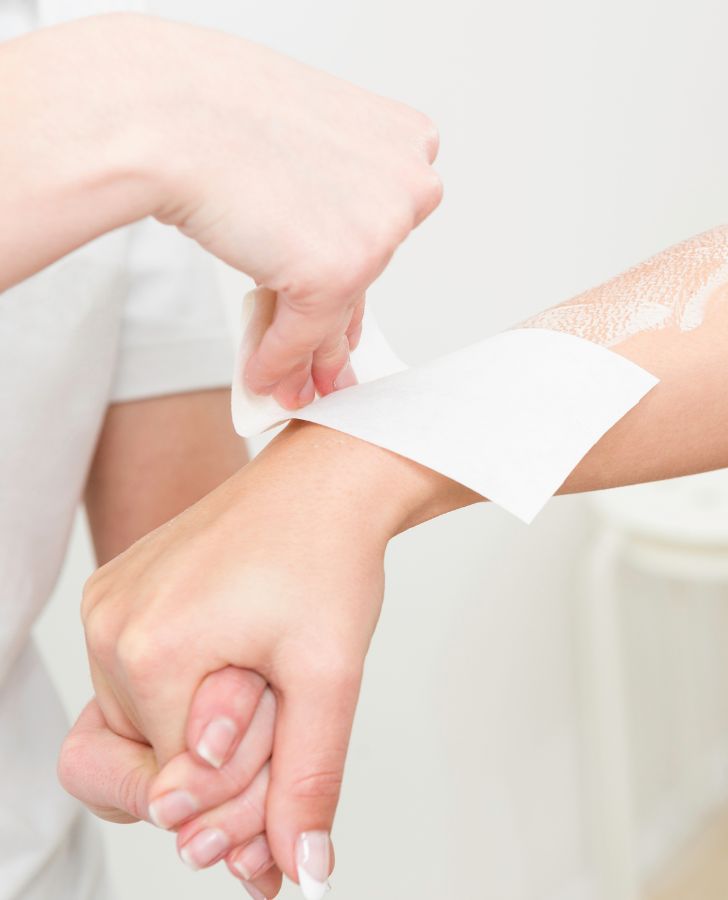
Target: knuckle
point(138, 653)
point(322, 783)
point(350, 274)
point(92, 594)
point(314, 281)
point(255, 808)
point(132, 792)
point(299, 369)
point(99, 634)
point(436, 188)
point(430, 190)
point(430, 139)
point(369, 258)
point(70, 765)
point(300, 291)
point(341, 276)
point(332, 354)
point(336, 670)
point(428, 134)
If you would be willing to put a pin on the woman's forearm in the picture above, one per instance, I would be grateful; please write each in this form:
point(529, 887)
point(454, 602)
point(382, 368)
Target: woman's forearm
point(74, 162)
point(670, 316)
point(680, 427)
point(514, 417)
point(154, 458)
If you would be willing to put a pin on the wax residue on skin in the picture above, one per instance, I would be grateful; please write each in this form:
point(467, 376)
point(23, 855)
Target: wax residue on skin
point(671, 289)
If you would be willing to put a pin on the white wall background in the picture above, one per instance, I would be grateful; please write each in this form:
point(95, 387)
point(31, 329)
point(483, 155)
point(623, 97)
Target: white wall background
point(578, 136)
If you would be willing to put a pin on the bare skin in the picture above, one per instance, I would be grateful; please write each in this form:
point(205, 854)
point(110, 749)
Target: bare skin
point(316, 613)
point(302, 181)
point(213, 577)
point(154, 458)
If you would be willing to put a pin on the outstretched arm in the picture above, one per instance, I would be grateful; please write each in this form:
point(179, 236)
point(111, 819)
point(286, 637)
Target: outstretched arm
point(154, 458)
point(280, 570)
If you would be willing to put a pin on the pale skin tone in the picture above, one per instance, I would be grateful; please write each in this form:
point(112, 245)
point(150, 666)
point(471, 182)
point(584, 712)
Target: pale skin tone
point(154, 458)
point(88, 156)
point(304, 182)
point(306, 624)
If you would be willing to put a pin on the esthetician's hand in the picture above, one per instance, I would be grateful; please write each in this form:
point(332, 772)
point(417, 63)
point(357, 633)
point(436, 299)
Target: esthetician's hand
point(217, 805)
point(301, 180)
point(279, 571)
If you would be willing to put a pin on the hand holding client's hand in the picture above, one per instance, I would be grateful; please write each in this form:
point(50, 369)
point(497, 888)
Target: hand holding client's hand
point(279, 571)
point(217, 810)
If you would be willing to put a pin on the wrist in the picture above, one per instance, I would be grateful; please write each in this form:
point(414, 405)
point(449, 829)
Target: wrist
point(384, 493)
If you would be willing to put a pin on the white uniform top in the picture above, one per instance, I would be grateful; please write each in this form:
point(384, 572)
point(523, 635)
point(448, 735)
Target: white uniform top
point(134, 314)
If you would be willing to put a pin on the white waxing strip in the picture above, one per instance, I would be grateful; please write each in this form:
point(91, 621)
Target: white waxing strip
point(509, 416)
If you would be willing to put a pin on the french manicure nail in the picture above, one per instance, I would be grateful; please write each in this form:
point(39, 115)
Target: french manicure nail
point(346, 377)
point(204, 848)
point(253, 891)
point(312, 864)
point(253, 859)
point(173, 808)
point(216, 741)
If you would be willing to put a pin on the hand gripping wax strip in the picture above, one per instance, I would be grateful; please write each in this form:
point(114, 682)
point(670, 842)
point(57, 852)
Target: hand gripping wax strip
point(509, 416)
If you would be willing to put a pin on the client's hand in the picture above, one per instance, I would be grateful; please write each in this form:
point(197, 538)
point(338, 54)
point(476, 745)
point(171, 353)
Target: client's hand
point(280, 571)
point(217, 811)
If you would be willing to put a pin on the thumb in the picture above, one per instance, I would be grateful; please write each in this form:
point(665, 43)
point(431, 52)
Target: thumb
point(313, 727)
point(111, 775)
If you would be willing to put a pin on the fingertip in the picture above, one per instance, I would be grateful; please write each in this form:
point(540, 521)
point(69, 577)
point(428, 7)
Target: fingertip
point(354, 338)
point(330, 376)
point(313, 864)
point(346, 377)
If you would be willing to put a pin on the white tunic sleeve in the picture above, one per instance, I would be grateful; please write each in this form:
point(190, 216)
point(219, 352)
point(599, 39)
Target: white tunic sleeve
point(175, 335)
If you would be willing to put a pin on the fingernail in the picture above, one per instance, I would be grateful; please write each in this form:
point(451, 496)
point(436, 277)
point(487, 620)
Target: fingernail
point(312, 864)
point(253, 859)
point(346, 377)
point(172, 808)
point(307, 393)
point(253, 891)
point(216, 741)
point(204, 848)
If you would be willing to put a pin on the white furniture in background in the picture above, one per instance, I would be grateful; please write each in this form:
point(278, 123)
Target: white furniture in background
point(674, 529)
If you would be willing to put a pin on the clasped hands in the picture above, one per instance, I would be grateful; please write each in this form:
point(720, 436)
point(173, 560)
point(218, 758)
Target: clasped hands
point(227, 648)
